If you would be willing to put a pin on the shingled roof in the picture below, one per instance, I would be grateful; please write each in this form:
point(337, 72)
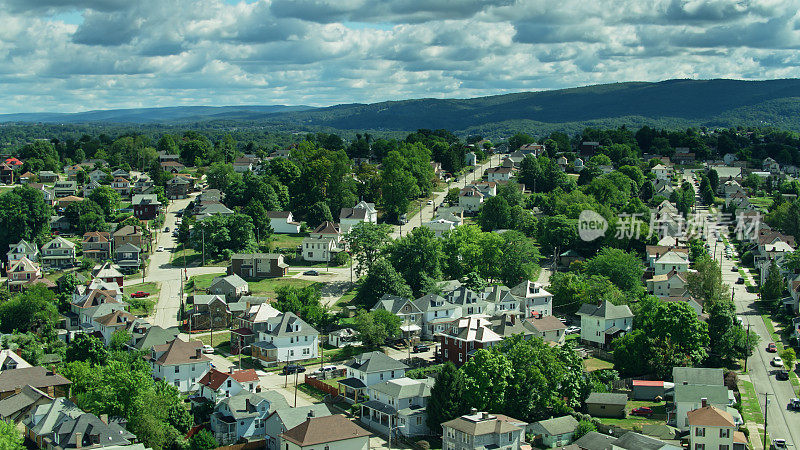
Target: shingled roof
point(319, 430)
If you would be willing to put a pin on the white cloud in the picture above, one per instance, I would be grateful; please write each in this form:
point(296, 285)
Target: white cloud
point(320, 52)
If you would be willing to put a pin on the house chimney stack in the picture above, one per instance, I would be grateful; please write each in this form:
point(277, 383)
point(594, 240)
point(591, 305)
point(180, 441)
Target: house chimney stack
point(231, 369)
point(198, 352)
point(485, 416)
point(310, 413)
point(78, 440)
point(473, 411)
point(704, 402)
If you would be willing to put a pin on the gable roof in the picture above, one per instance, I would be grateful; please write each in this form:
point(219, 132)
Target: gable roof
point(326, 228)
point(242, 405)
point(23, 265)
point(292, 417)
point(375, 362)
point(546, 323)
point(556, 425)
point(215, 378)
point(319, 430)
point(25, 398)
point(405, 387)
point(285, 324)
point(37, 376)
point(606, 310)
point(233, 280)
point(180, 352)
point(698, 375)
point(607, 398)
point(710, 416)
point(482, 423)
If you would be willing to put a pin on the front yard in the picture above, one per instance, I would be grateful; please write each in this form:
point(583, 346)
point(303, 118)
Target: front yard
point(143, 306)
point(592, 364)
point(266, 287)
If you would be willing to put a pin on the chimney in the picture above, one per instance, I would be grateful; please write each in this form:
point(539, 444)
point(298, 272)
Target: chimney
point(231, 369)
point(513, 318)
point(310, 413)
point(198, 353)
point(473, 411)
point(78, 440)
point(484, 416)
point(104, 418)
point(704, 402)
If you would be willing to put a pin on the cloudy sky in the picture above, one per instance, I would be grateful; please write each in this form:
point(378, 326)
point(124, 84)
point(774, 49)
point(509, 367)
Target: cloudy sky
point(74, 55)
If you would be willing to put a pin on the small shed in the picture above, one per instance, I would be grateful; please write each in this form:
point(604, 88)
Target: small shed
point(604, 404)
point(647, 389)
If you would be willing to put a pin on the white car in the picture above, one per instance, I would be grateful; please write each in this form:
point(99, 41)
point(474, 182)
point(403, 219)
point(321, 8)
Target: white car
point(160, 248)
point(572, 330)
point(327, 368)
point(208, 349)
point(777, 362)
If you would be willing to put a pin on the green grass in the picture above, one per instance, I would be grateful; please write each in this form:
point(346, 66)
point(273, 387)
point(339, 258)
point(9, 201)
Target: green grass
point(192, 256)
point(268, 286)
point(220, 337)
point(751, 410)
point(153, 288)
point(288, 241)
point(347, 298)
point(762, 203)
point(592, 364)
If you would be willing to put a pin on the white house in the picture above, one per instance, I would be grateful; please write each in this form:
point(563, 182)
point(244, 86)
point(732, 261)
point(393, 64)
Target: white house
point(470, 198)
point(243, 416)
point(180, 363)
point(439, 226)
point(501, 173)
point(329, 433)
point(714, 428)
point(286, 338)
point(671, 261)
point(217, 385)
point(698, 387)
point(405, 397)
point(22, 249)
point(480, 430)
point(470, 159)
point(282, 222)
point(367, 369)
point(436, 314)
point(362, 212)
point(537, 300)
point(318, 249)
point(670, 284)
point(661, 172)
point(600, 324)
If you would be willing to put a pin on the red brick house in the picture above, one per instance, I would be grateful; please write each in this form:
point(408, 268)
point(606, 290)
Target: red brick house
point(258, 265)
point(145, 206)
point(464, 337)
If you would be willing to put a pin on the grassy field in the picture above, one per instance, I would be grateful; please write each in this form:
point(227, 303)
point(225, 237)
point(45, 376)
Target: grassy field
point(751, 410)
point(220, 337)
point(593, 364)
point(153, 288)
point(636, 422)
point(265, 287)
point(143, 306)
point(290, 241)
point(762, 203)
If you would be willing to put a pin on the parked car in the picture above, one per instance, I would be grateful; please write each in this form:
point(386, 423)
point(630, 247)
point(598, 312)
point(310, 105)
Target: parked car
point(777, 362)
point(734, 269)
point(740, 280)
point(140, 294)
point(782, 375)
point(772, 348)
point(642, 411)
point(327, 368)
point(208, 349)
point(290, 369)
point(794, 404)
point(160, 248)
point(779, 444)
point(572, 330)
point(166, 230)
point(419, 348)
point(312, 273)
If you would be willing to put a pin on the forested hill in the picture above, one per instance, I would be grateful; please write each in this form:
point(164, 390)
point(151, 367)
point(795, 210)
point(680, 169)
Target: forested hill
point(667, 104)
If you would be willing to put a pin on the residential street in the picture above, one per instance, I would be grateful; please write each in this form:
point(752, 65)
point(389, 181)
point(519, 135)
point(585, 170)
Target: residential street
point(781, 422)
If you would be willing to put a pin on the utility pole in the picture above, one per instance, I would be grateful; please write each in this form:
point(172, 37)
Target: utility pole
point(295, 387)
point(204, 244)
point(766, 409)
point(746, 353)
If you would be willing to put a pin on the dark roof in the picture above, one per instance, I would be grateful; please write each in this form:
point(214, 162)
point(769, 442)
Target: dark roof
point(180, 352)
point(595, 441)
point(319, 430)
point(607, 398)
point(556, 425)
point(37, 376)
point(375, 362)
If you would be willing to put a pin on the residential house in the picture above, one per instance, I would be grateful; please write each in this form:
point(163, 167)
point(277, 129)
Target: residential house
point(287, 338)
point(738, 201)
point(243, 416)
point(319, 249)
point(258, 265)
point(588, 148)
point(72, 171)
point(362, 212)
point(27, 177)
point(439, 226)
point(661, 172)
point(90, 187)
point(329, 432)
point(671, 284)
point(47, 176)
point(499, 174)
point(578, 164)
point(537, 300)
point(180, 363)
point(97, 245)
point(663, 188)
point(487, 188)
point(22, 249)
point(164, 156)
point(343, 337)
point(605, 404)
point(628, 441)
point(243, 164)
point(470, 199)
point(282, 222)
point(500, 300)
point(471, 302)
point(399, 405)
point(145, 206)
point(214, 209)
point(151, 336)
point(285, 418)
point(600, 324)
point(19, 406)
point(464, 337)
point(250, 323)
point(230, 286)
point(107, 273)
point(409, 314)
point(693, 385)
point(209, 309)
point(110, 323)
point(58, 253)
point(129, 234)
point(47, 381)
point(555, 432)
point(217, 385)
point(713, 428)
point(437, 313)
point(562, 162)
point(121, 173)
point(480, 430)
point(470, 159)
point(22, 273)
point(47, 193)
point(65, 188)
point(367, 369)
point(178, 187)
point(172, 166)
point(98, 176)
point(770, 165)
point(6, 174)
point(656, 252)
point(9, 360)
point(548, 329)
point(64, 202)
point(128, 257)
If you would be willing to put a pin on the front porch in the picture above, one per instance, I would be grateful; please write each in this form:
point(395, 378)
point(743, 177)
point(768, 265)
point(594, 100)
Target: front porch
point(378, 417)
point(352, 390)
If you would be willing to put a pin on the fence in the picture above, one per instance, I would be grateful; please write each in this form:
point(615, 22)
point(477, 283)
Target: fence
point(312, 381)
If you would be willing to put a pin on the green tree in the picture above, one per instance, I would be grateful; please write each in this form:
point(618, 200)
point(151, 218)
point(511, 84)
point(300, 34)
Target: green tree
point(367, 242)
point(32, 310)
point(398, 185)
point(87, 348)
point(772, 290)
point(318, 213)
point(486, 377)
point(203, 440)
point(380, 280)
point(495, 214)
point(584, 427)
point(705, 282)
point(729, 341)
point(447, 397)
point(221, 176)
point(623, 269)
point(24, 215)
point(107, 198)
point(375, 327)
point(120, 339)
point(306, 302)
point(452, 196)
point(10, 437)
point(789, 357)
point(417, 257)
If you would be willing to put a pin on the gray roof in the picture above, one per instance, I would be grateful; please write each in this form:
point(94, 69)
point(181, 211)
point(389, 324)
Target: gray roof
point(606, 310)
point(35, 376)
point(405, 387)
point(145, 199)
point(284, 325)
point(716, 395)
point(233, 280)
point(25, 247)
point(636, 441)
point(595, 441)
point(426, 303)
point(375, 362)
point(292, 417)
point(127, 248)
point(242, 404)
point(555, 426)
point(607, 398)
point(207, 299)
point(156, 336)
point(697, 375)
point(52, 413)
point(25, 398)
point(394, 304)
point(88, 427)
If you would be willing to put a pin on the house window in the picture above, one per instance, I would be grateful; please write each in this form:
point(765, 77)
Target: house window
point(177, 369)
point(419, 420)
point(699, 446)
point(723, 447)
point(701, 432)
point(724, 432)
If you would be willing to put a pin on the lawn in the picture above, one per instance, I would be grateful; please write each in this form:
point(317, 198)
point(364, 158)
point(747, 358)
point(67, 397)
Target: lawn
point(762, 203)
point(220, 337)
point(592, 364)
point(153, 288)
point(287, 241)
point(265, 287)
point(192, 256)
point(636, 422)
point(751, 410)
point(143, 306)
point(347, 298)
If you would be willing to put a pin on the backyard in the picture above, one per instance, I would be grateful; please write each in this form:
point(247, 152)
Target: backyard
point(636, 422)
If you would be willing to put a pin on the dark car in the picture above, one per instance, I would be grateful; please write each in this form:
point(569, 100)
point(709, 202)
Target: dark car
point(740, 280)
point(734, 269)
point(642, 411)
point(419, 348)
point(782, 375)
point(794, 404)
point(313, 273)
point(292, 368)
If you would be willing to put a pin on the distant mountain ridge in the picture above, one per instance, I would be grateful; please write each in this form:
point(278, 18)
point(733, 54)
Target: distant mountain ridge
point(671, 103)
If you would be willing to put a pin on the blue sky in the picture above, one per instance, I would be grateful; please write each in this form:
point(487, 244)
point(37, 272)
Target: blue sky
point(75, 55)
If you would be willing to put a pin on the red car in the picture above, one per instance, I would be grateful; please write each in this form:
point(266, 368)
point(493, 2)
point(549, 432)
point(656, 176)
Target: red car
point(140, 294)
point(772, 348)
point(642, 411)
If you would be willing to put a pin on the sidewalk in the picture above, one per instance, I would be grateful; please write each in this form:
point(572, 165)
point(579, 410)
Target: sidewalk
point(755, 438)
